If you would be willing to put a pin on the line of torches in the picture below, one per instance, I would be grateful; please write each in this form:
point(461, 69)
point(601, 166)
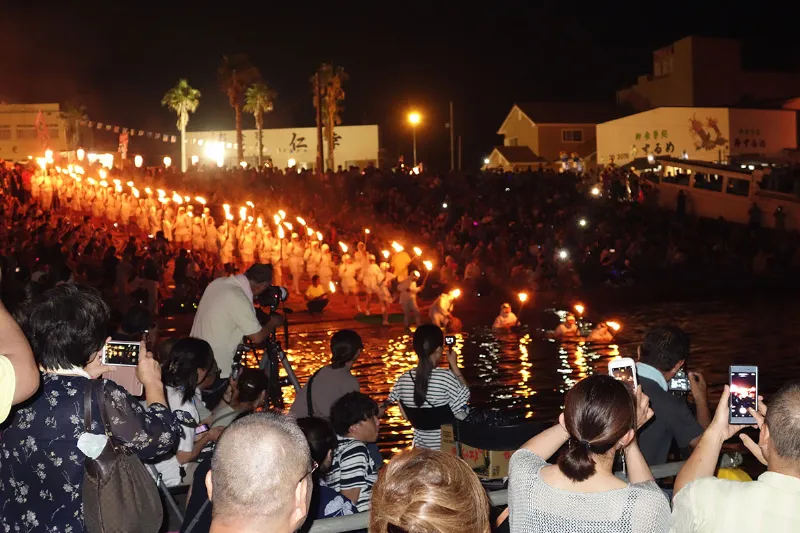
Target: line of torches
point(78, 173)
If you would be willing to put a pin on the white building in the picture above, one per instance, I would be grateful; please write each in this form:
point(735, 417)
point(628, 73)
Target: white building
point(24, 132)
point(714, 134)
point(355, 146)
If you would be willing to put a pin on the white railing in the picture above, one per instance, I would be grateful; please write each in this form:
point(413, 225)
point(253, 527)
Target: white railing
point(343, 524)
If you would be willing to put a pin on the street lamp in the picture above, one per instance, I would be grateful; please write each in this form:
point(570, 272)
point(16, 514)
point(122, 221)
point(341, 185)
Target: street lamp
point(414, 119)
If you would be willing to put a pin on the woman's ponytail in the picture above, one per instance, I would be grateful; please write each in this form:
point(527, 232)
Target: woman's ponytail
point(427, 339)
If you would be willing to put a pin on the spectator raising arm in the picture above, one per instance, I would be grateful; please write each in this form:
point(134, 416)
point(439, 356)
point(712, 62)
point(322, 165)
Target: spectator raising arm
point(704, 459)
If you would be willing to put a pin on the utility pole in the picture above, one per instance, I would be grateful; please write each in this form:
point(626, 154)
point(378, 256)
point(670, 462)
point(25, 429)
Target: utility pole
point(452, 139)
point(318, 96)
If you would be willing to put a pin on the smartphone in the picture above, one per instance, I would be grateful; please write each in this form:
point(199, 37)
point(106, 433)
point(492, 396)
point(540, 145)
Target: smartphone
point(121, 353)
point(624, 369)
point(449, 340)
point(744, 394)
point(680, 382)
point(202, 428)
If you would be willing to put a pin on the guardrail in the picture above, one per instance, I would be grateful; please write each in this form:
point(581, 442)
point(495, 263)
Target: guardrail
point(343, 524)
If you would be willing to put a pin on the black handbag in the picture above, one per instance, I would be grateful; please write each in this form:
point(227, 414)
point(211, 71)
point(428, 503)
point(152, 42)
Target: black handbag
point(119, 495)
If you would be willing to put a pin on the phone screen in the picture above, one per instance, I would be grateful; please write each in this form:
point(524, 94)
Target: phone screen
point(626, 374)
point(202, 428)
point(449, 340)
point(744, 394)
point(121, 353)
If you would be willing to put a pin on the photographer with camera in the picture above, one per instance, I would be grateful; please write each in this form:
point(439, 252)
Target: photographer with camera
point(226, 314)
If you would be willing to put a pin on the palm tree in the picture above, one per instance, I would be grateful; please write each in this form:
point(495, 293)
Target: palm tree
point(73, 114)
point(183, 99)
point(235, 74)
point(331, 79)
point(259, 99)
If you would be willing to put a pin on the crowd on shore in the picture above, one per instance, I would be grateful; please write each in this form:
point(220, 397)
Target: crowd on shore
point(67, 410)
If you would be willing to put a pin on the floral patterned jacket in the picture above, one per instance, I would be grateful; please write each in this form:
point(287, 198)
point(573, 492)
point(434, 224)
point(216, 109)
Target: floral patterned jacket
point(41, 467)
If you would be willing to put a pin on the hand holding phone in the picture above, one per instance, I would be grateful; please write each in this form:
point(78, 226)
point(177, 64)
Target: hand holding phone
point(624, 369)
point(743, 394)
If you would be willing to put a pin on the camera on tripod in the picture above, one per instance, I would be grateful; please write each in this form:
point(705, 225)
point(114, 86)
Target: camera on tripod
point(273, 297)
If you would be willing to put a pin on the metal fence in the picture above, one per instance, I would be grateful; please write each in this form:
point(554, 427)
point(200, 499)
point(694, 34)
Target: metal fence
point(498, 498)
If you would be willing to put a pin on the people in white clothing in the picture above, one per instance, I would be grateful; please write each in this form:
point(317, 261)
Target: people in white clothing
point(408, 299)
point(506, 319)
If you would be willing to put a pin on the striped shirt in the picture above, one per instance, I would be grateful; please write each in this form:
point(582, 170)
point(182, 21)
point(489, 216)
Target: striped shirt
point(444, 388)
point(353, 468)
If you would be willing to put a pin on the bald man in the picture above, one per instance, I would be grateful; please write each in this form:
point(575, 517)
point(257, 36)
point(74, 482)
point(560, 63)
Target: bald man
point(260, 478)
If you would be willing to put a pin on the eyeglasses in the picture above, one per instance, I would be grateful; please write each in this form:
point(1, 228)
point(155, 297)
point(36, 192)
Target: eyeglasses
point(313, 469)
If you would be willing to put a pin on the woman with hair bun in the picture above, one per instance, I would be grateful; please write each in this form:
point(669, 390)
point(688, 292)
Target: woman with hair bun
point(580, 493)
point(429, 491)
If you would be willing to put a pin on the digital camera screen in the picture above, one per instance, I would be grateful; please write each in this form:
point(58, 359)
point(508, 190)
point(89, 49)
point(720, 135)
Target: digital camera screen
point(122, 354)
point(624, 374)
point(743, 393)
point(449, 340)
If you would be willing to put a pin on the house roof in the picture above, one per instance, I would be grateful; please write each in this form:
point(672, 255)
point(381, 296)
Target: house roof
point(519, 154)
point(569, 112)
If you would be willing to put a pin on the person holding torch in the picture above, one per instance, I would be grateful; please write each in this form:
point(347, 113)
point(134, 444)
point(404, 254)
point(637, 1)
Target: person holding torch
point(506, 319)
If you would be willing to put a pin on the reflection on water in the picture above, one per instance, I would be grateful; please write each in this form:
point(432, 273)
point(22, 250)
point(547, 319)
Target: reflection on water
point(527, 376)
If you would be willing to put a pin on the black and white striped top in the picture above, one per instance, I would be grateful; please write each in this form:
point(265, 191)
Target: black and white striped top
point(444, 388)
point(353, 468)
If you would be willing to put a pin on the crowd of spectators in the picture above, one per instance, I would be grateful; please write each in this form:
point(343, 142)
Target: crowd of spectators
point(251, 470)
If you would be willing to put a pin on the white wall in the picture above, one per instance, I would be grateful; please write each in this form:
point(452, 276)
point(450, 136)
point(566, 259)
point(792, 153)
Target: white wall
point(18, 138)
point(762, 131)
point(687, 129)
point(357, 145)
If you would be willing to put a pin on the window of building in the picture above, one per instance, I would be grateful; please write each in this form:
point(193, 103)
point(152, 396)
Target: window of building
point(26, 132)
point(572, 136)
point(738, 187)
point(5, 133)
point(512, 142)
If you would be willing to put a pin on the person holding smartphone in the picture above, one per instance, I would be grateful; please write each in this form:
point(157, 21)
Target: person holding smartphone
point(430, 396)
point(47, 431)
point(772, 502)
point(663, 352)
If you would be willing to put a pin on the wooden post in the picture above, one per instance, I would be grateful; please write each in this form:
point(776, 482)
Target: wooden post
point(318, 93)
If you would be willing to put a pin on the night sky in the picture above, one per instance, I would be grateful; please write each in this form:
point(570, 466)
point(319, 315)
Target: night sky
point(119, 61)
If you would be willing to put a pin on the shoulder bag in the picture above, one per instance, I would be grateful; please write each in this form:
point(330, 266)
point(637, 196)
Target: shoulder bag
point(119, 495)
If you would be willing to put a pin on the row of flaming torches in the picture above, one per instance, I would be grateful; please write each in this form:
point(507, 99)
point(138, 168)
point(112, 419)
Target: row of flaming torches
point(279, 219)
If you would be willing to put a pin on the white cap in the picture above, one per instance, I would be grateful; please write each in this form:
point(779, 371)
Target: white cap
point(385, 266)
point(371, 257)
point(345, 257)
point(325, 247)
point(295, 236)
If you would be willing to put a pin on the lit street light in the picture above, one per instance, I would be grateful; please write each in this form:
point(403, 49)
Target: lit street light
point(414, 119)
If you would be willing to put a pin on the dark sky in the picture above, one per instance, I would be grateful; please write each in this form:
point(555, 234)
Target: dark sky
point(483, 56)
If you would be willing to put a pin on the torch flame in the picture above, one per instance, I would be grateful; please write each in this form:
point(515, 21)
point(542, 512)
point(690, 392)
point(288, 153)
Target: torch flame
point(242, 213)
point(148, 190)
point(385, 254)
point(417, 251)
point(260, 222)
point(301, 221)
point(227, 208)
point(228, 216)
point(428, 265)
point(250, 204)
point(319, 235)
point(200, 200)
point(455, 293)
point(103, 183)
point(332, 287)
point(177, 198)
point(397, 247)
point(523, 297)
point(282, 213)
point(135, 192)
point(613, 325)
point(129, 184)
point(310, 232)
point(161, 193)
point(281, 234)
point(343, 246)
point(288, 226)
point(366, 230)
point(579, 308)
point(277, 220)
